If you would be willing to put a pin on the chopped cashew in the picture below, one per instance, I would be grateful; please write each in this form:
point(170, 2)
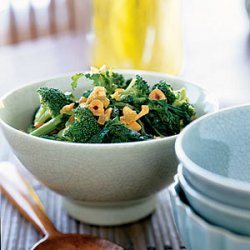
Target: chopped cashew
point(99, 93)
point(144, 111)
point(82, 99)
point(134, 126)
point(157, 94)
point(117, 94)
point(130, 117)
point(67, 108)
point(97, 108)
point(38, 124)
point(104, 118)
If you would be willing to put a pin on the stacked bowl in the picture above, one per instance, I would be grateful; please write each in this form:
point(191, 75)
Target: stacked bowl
point(211, 194)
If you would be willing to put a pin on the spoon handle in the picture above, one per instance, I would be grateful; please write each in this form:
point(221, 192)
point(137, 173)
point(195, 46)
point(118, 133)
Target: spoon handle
point(21, 194)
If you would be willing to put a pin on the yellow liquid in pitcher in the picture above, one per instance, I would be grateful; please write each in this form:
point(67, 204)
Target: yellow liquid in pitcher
point(137, 34)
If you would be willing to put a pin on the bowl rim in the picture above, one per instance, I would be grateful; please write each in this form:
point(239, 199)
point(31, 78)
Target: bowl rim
point(207, 201)
point(226, 234)
point(205, 175)
point(213, 100)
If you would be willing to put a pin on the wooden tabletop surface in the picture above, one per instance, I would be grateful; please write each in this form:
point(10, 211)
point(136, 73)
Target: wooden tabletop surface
point(217, 57)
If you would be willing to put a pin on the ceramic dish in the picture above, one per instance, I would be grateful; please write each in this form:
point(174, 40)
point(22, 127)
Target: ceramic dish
point(196, 232)
point(104, 184)
point(215, 153)
point(231, 218)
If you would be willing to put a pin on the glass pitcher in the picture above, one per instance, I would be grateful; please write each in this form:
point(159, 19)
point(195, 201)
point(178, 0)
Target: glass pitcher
point(137, 34)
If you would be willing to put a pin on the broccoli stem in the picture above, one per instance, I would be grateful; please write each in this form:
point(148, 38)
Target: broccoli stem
point(60, 134)
point(42, 114)
point(130, 86)
point(156, 131)
point(48, 126)
point(142, 127)
point(121, 105)
point(44, 117)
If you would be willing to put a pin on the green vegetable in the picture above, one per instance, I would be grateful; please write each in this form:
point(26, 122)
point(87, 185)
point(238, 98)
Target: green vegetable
point(115, 112)
point(30, 128)
point(187, 113)
point(167, 90)
point(75, 79)
point(109, 80)
point(86, 93)
point(102, 119)
point(115, 132)
point(161, 119)
point(185, 110)
point(49, 126)
point(165, 119)
point(83, 128)
point(136, 93)
point(181, 97)
point(70, 97)
point(52, 101)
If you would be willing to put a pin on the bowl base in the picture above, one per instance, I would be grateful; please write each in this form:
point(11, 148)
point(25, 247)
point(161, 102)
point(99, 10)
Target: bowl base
point(110, 213)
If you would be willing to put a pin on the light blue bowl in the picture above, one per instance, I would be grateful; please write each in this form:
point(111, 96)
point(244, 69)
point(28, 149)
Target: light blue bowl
point(215, 153)
point(197, 233)
point(231, 218)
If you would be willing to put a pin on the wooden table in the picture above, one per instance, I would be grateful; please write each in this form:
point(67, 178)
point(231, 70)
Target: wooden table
point(217, 56)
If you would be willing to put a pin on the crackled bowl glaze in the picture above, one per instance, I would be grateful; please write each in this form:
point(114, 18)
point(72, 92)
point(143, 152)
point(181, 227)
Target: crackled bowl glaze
point(105, 184)
point(215, 154)
point(196, 232)
point(229, 217)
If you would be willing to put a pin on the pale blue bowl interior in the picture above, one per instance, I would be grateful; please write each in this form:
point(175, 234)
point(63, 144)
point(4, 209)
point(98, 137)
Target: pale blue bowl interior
point(221, 143)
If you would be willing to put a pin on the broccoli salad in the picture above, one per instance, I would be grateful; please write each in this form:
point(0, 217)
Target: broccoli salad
point(115, 110)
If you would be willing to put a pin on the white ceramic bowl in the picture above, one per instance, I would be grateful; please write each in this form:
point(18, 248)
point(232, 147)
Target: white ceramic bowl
point(232, 218)
point(103, 184)
point(215, 153)
point(196, 232)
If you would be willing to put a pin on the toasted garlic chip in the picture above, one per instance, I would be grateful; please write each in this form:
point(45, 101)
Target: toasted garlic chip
point(157, 94)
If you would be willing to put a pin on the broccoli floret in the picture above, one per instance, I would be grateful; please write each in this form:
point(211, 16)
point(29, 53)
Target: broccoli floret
point(52, 100)
point(187, 113)
point(83, 128)
point(115, 131)
point(167, 90)
point(183, 108)
point(165, 119)
point(70, 97)
point(181, 97)
point(136, 93)
point(109, 80)
point(161, 120)
point(118, 80)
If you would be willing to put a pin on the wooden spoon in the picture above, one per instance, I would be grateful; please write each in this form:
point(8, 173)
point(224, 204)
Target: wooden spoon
point(23, 197)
